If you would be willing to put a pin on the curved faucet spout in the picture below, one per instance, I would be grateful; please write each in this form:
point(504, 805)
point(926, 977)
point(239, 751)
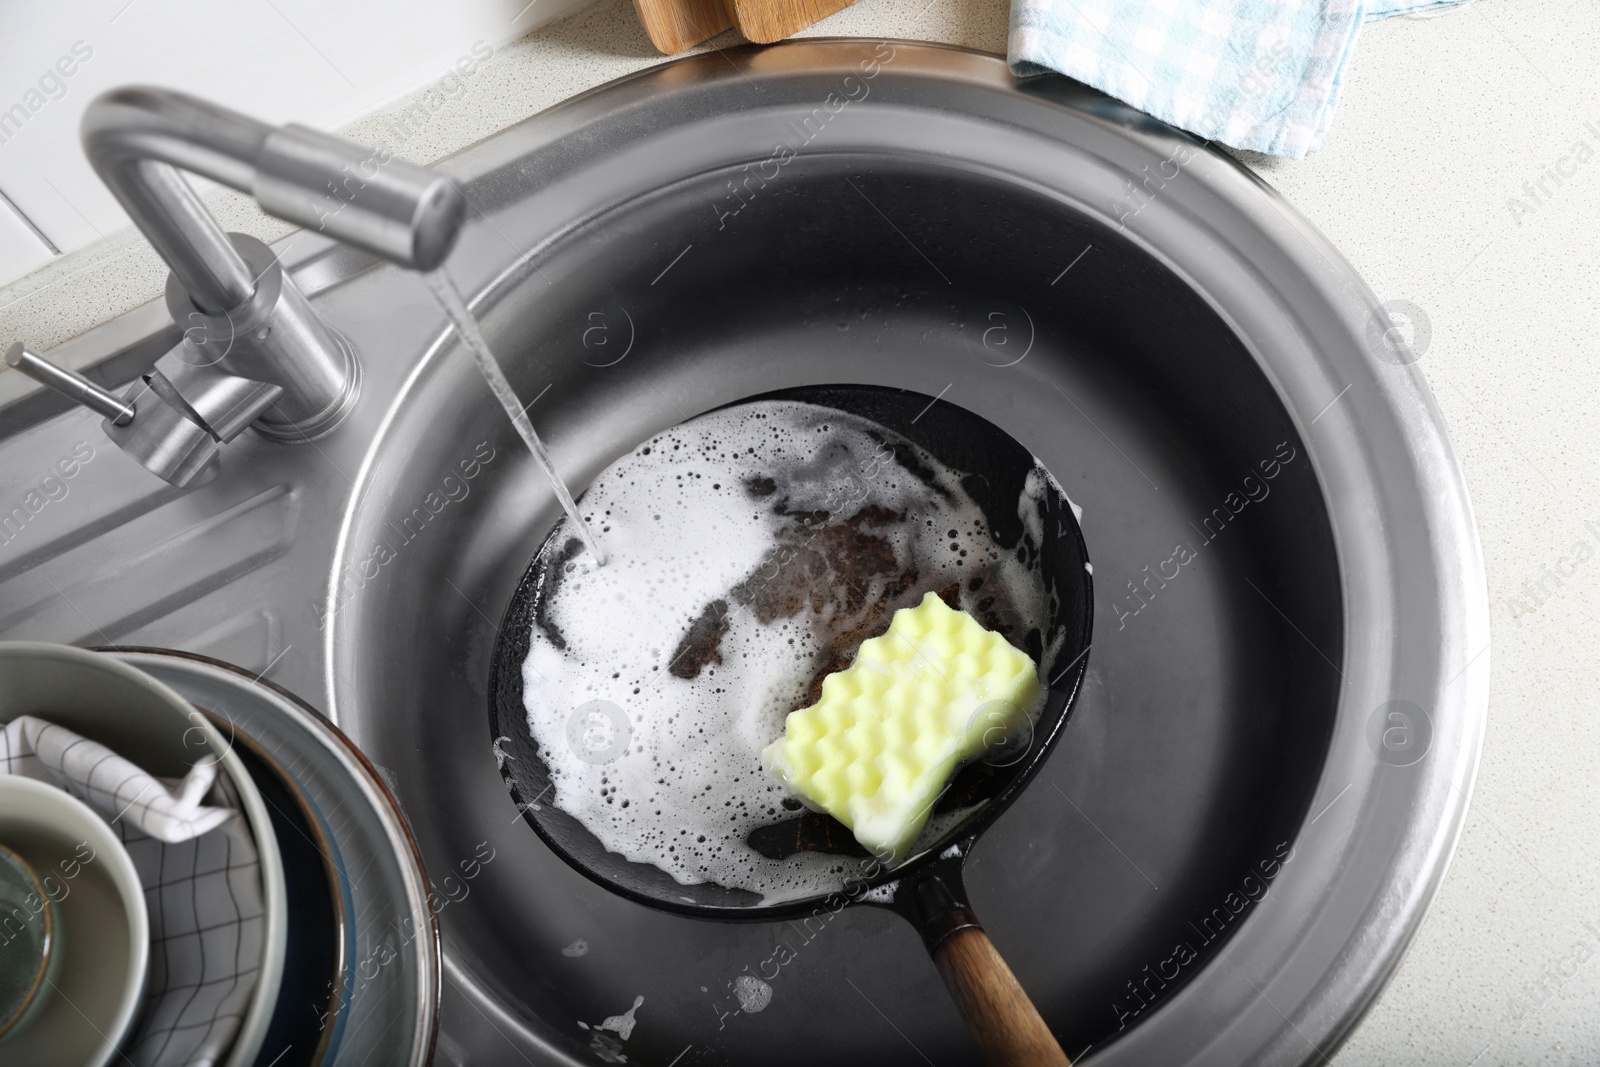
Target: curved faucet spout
point(137, 139)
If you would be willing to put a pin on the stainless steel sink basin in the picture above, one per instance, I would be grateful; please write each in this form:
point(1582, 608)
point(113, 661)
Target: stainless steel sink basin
point(1260, 790)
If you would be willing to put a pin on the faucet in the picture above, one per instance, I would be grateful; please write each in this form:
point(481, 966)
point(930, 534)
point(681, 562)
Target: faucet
point(253, 353)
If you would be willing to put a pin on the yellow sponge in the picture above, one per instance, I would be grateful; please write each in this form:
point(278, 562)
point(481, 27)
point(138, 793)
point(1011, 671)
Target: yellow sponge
point(878, 748)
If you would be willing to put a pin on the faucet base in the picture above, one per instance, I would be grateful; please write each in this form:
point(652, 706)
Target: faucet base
point(273, 337)
point(319, 425)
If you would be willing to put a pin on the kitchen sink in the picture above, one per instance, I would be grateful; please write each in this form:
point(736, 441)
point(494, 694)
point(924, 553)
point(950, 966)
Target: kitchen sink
point(1230, 850)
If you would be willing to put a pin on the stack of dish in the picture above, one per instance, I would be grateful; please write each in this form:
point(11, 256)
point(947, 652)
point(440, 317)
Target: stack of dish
point(337, 969)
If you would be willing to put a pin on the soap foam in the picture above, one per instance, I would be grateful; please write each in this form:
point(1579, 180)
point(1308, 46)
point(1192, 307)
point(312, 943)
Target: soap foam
point(751, 550)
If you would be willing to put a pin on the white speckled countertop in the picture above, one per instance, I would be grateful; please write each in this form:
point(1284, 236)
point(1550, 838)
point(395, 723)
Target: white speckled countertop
point(1445, 127)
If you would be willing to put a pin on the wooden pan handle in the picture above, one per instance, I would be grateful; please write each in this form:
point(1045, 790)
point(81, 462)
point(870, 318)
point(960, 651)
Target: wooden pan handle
point(1002, 1019)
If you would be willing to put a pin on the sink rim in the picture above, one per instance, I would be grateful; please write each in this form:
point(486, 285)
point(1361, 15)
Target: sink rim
point(1303, 281)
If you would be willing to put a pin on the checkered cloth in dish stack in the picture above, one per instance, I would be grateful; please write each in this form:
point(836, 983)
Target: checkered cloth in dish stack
point(196, 858)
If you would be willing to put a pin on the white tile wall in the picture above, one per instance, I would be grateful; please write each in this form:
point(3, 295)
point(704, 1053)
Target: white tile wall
point(21, 250)
point(312, 61)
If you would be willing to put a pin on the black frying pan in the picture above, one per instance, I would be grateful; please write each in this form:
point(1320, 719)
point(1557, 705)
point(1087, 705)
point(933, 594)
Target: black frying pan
point(926, 888)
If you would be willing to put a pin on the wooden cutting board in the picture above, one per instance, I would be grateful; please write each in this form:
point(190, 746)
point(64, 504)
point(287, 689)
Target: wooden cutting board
point(674, 25)
point(765, 21)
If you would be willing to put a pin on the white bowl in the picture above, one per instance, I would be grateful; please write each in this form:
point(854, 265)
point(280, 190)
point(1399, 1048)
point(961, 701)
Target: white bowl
point(104, 933)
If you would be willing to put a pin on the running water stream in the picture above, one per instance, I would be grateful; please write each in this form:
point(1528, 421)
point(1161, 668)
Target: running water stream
point(466, 325)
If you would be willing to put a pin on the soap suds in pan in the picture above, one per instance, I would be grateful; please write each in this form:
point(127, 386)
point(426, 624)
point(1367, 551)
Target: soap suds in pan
point(752, 550)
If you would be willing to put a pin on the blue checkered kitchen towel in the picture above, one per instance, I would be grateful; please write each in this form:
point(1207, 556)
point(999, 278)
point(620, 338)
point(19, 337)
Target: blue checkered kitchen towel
point(1261, 75)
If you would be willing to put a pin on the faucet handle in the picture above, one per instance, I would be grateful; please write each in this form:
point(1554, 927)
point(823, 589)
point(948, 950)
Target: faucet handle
point(163, 437)
point(166, 440)
point(185, 410)
point(223, 404)
point(188, 412)
point(81, 390)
